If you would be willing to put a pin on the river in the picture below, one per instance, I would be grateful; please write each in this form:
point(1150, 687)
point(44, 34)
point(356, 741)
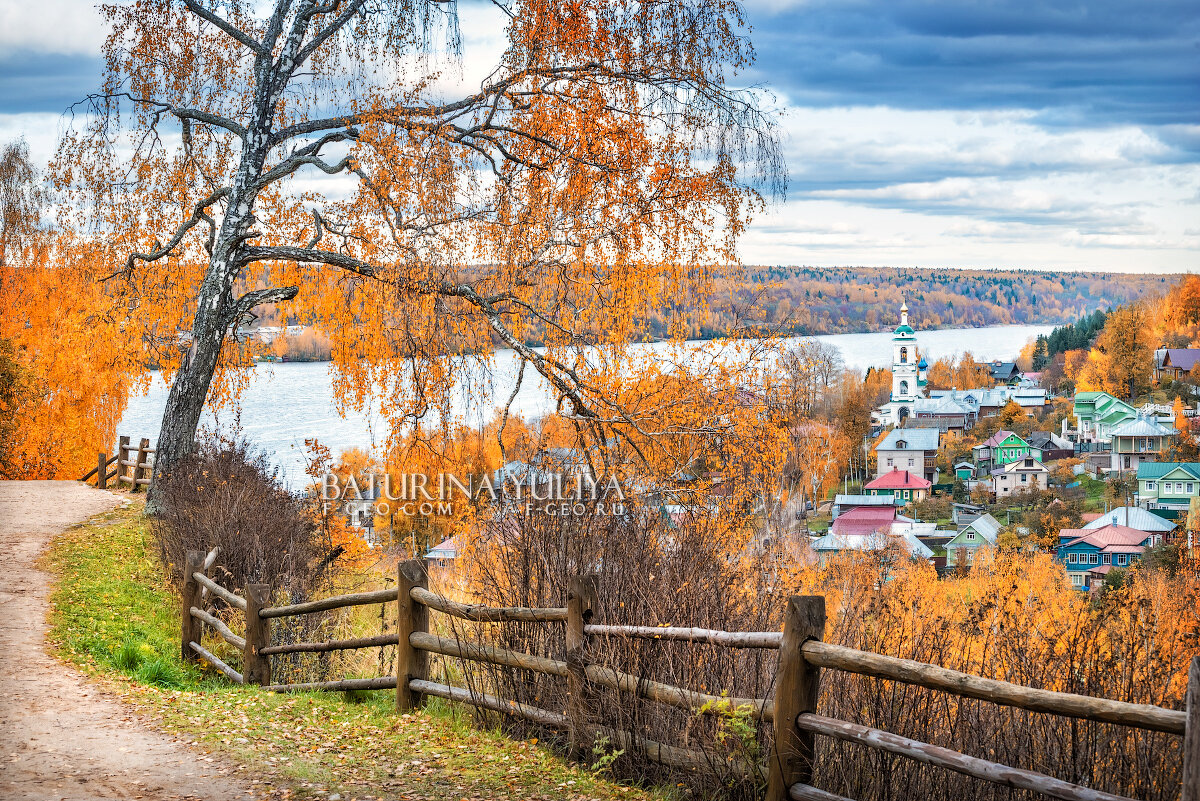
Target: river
point(286, 403)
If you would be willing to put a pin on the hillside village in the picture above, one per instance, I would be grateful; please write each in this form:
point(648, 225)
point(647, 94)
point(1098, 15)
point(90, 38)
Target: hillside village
point(1021, 480)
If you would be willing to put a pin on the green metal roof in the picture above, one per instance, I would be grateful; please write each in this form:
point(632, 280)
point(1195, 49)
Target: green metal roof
point(904, 329)
point(1152, 471)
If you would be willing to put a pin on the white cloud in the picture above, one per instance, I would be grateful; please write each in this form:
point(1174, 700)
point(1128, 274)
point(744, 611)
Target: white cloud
point(65, 27)
point(877, 185)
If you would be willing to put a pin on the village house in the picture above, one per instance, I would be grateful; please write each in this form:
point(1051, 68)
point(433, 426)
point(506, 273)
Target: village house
point(979, 533)
point(945, 413)
point(1003, 372)
point(1052, 446)
point(1090, 554)
point(964, 471)
point(1141, 439)
point(901, 486)
point(1167, 488)
point(1174, 363)
point(913, 449)
point(1019, 476)
point(1134, 517)
point(1000, 449)
point(865, 520)
point(1096, 415)
point(833, 543)
point(987, 402)
point(444, 553)
point(846, 503)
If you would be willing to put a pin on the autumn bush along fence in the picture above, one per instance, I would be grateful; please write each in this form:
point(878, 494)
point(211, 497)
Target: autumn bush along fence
point(133, 465)
point(786, 772)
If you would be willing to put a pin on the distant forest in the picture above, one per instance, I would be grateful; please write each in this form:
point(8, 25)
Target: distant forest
point(839, 300)
point(803, 301)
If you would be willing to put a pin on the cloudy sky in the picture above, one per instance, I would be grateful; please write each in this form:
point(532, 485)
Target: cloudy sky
point(1005, 133)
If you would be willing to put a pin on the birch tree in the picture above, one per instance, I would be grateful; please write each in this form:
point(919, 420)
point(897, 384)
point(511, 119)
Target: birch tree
point(596, 173)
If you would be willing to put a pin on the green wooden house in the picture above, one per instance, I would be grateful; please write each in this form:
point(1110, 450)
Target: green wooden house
point(1167, 488)
point(1000, 449)
point(979, 533)
point(1097, 414)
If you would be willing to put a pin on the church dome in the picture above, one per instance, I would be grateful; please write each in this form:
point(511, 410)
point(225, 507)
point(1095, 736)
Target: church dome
point(905, 331)
point(921, 365)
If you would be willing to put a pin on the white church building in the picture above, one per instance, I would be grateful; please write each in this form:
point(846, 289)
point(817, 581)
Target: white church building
point(908, 375)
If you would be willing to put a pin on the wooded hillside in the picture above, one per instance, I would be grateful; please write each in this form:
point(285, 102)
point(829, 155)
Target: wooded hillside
point(835, 300)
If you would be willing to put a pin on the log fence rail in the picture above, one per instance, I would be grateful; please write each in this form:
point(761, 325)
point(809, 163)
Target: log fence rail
point(792, 712)
point(133, 465)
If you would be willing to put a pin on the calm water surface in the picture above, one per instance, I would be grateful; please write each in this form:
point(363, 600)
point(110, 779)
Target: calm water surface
point(286, 403)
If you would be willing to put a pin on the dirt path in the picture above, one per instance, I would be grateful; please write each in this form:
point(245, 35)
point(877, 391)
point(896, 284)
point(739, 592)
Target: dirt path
point(59, 737)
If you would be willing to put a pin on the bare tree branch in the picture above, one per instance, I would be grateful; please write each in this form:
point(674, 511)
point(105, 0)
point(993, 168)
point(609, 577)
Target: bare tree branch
point(198, 214)
point(231, 30)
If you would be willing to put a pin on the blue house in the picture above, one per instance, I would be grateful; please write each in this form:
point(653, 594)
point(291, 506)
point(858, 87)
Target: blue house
point(1089, 555)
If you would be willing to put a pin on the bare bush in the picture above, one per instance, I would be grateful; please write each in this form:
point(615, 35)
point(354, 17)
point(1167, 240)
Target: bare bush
point(226, 495)
point(650, 571)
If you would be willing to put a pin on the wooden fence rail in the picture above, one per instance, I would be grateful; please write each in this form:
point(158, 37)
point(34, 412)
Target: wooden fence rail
point(802, 656)
point(133, 465)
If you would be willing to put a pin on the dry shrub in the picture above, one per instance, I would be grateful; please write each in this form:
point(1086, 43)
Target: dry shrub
point(1014, 617)
point(227, 495)
point(649, 572)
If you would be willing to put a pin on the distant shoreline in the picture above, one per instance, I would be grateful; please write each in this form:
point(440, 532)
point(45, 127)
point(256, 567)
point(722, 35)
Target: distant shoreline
point(656, 341)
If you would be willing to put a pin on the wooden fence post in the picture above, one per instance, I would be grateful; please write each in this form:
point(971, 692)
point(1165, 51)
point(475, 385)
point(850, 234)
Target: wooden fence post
point(581, 606)
point(102, 470)
point(256, 668)
point(138, 471)
point(791, 759)
point(411, 663)
point(122, 450)
point(1191, 737)
point(190, 628)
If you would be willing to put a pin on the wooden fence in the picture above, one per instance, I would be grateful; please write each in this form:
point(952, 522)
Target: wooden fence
point(802, 656)
point(133, 465)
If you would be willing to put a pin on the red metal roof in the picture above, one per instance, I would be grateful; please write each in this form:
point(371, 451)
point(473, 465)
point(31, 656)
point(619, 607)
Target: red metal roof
point(865, 520)
point(1109, 537)
point(899, 479)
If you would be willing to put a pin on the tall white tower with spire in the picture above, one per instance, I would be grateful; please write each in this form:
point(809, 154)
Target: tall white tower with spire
point(908, 374)
point(905, 373)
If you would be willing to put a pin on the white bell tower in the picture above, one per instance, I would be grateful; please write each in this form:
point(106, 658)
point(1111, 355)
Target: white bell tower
point(906, 379)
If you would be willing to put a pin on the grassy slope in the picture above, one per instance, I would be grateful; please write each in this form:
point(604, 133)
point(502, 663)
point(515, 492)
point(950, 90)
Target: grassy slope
point(113, 616)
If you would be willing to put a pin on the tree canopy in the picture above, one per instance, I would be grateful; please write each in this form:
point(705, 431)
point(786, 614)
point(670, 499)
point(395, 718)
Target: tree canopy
point(316, 154)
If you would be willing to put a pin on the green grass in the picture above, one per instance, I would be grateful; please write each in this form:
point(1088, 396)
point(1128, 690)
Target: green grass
point(1094, 490)
point(114, 616)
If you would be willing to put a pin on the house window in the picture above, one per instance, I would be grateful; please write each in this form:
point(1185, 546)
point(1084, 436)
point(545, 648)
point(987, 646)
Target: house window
point(889, 461)
point(1122, 559)
point(970, 535)
point(1024, 478)
point(1094, 559)
point(1149, 486)
point(1072, 558)
point(1108, 559)
point(1190, 487)
point(1076, 580)
point(910, 462)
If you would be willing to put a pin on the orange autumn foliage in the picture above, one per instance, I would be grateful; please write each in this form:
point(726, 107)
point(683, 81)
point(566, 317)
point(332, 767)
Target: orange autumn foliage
point(68, 357)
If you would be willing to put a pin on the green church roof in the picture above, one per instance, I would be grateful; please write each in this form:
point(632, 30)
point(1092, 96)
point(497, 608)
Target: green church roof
point(904, 329)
